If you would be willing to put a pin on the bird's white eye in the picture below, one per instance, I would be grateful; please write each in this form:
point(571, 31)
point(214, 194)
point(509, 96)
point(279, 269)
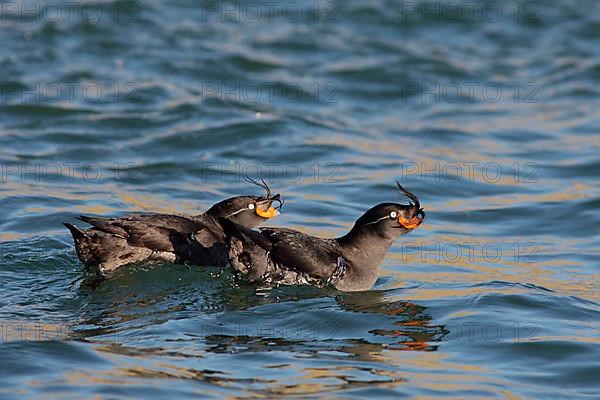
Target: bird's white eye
point(251, 206)
point(393, 214)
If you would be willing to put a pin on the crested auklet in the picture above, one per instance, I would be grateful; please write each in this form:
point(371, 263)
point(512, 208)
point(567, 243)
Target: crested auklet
point(282, 256)
point(198, 240)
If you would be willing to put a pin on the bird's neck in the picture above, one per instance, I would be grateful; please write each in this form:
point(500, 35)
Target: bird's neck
point(207, 219)
point(213, 214)
point(365, 248)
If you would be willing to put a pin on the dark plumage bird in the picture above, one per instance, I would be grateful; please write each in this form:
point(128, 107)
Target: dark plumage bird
point(199, 240)
point(349, 263)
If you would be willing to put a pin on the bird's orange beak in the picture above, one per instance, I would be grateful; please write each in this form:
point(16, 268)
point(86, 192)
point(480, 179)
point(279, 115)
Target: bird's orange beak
point(409, 223)
point(268, 213)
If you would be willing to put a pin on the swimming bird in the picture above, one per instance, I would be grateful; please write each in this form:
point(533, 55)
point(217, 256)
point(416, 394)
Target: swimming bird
point(279, 256)
point(199, 240)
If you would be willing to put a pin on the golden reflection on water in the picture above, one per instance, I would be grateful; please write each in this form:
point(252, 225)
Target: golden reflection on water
point(414, 333)
point(407, 357)
point(408, 353)
point(475, 269)
point(6, 236)
point(337, 373)
point(541, 272)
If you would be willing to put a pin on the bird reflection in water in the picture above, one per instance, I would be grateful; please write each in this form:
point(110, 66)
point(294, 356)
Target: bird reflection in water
point(410, 329)
point(415, 330)
point(370, 327)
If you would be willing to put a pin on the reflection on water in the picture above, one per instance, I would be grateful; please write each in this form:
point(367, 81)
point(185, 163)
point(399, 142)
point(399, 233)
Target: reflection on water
point(413, 327)
point(496, 295)
point(395, 326)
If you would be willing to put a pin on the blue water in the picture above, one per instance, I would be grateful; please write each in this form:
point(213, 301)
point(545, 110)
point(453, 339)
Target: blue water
point(488, 111)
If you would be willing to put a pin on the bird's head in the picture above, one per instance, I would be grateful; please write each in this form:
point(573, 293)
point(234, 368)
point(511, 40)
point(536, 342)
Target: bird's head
point(249, 211)
point(391, 220)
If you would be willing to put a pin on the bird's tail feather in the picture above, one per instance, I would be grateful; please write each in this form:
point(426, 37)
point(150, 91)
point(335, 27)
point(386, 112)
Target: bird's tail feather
point(75, 231)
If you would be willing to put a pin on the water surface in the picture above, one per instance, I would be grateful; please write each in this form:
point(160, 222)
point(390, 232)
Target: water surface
point(162, 106)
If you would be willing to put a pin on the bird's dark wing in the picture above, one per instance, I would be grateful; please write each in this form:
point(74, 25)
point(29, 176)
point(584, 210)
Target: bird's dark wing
point(247, 250)
point(153, 231)
point(246, 234)
point(303, 253)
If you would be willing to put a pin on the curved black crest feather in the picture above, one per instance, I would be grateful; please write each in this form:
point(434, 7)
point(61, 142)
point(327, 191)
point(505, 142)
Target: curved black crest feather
point(408, 194)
